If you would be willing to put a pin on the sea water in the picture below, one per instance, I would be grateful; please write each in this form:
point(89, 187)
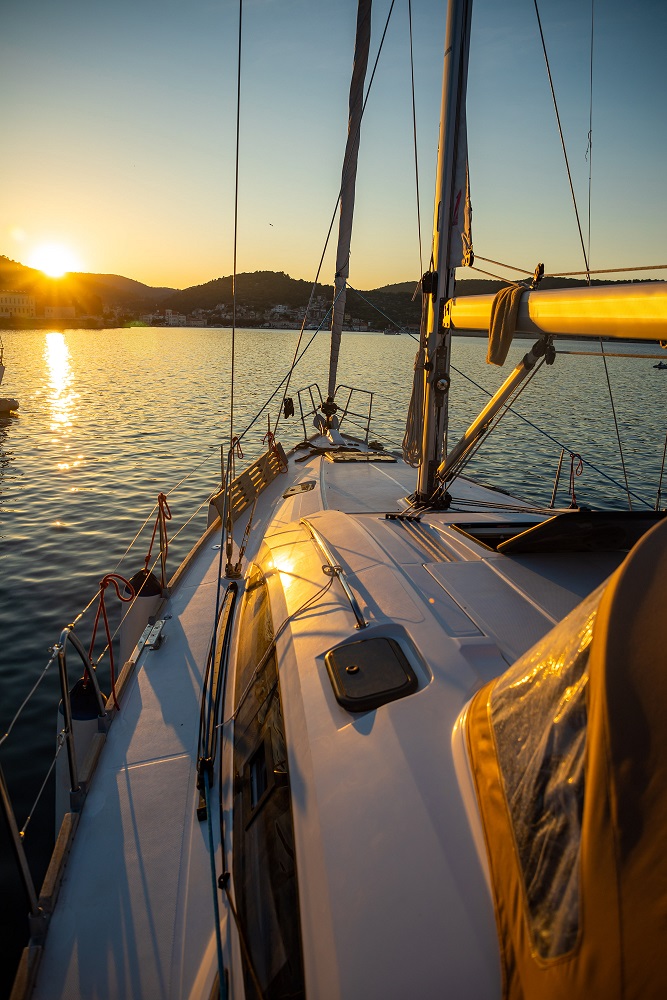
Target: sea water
point(111, 418)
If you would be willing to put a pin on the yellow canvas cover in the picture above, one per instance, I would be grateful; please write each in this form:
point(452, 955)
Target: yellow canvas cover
point(569, 754)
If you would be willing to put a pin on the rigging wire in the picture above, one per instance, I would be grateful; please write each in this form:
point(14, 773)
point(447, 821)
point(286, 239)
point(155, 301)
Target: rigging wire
point(490, 274)
point(576, 210)
point(414, 135)
point(589, 153)
point(236, 220)
point(27, 698)
point(560, 132)
point(567, 274)
point(589, 148)
point(662, 470)
point(333, 220)
point(467, 457)
point(551, 438)
point(606, 270)
point(60, 742)
point(618, 432)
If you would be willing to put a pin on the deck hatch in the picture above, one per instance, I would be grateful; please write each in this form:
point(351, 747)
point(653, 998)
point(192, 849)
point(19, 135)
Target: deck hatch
point(369, 673)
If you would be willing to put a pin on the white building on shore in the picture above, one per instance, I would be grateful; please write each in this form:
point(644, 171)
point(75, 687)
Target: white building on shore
point(17, 304)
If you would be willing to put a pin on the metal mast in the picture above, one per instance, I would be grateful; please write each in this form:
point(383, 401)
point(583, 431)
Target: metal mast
point(452, 211)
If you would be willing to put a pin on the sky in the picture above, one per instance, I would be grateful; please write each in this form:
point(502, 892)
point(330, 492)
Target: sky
point(118, 119)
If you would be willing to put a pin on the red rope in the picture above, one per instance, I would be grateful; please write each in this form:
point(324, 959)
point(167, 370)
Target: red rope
point(115, 579)
point(576, 468)
point(271, 439)
point(236, 446)
point(163, 514)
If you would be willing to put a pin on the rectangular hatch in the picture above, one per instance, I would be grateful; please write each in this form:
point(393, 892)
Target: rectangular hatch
point(369, 673)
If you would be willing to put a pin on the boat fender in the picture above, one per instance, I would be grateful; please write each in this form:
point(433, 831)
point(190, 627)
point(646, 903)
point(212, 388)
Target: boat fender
point(85, 715)
point(148, 589)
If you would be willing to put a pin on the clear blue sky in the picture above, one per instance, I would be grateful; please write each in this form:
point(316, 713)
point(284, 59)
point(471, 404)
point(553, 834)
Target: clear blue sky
point(117, 125)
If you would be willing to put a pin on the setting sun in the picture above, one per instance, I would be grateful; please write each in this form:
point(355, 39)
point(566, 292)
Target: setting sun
point(54, 259)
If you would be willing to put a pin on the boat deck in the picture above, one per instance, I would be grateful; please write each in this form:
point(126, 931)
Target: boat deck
point(382, 791)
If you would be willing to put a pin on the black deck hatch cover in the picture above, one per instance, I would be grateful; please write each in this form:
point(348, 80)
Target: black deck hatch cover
point(369, 673)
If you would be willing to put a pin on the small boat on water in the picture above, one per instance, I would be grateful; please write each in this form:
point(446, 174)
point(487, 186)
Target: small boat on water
point(386, 732)
point(661, 365)
point(7, 403)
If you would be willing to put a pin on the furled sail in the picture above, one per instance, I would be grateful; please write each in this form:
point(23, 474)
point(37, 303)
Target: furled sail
point(452, 247)
point(348, 182)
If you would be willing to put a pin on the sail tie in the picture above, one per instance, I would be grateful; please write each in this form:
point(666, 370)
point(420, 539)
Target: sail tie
point(502, 326)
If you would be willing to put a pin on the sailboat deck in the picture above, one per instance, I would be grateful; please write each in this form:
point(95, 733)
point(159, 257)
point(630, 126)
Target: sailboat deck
point(375, 792)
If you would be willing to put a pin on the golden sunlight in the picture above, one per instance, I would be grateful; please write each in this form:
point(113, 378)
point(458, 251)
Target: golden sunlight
point(63, 399)
point(54, 259)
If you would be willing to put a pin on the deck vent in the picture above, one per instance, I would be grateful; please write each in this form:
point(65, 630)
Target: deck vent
point(304, 487)
point(358, 456)
point(369, 673)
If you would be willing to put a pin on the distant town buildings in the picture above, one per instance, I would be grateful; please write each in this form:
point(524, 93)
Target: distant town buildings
point(17, 304)
point(172, 318)
point(59, 312)
point(18, 308)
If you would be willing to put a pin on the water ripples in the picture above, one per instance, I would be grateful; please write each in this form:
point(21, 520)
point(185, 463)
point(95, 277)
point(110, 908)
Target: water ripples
point(111, 418)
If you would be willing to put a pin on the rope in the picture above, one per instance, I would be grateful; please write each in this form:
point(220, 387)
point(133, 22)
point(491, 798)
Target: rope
point(222, 981)
point(271, 648)
point(576, 469)
point(163, 515)
point(414, 137)
point(114, 579)
point(270, 440)
point(562, 140)
point(411, 445)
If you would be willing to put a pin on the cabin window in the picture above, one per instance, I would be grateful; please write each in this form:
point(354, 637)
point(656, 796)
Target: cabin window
point(538, 716)
point(264, 863)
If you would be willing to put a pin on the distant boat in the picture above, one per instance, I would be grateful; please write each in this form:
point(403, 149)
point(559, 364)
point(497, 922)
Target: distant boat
point(661, 365)
point(392, 331)
point(7, 403)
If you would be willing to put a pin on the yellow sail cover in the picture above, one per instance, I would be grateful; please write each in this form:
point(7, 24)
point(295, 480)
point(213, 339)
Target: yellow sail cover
point(569, 755)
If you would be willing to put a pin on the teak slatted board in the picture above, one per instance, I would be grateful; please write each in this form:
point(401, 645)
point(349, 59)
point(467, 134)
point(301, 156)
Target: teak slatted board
point(252, 482)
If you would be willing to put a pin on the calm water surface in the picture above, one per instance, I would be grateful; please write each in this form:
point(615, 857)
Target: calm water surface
point(108, 419)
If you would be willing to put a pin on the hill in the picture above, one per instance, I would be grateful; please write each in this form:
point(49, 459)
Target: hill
point(256, 290)
point(90, 294)
point(263, 297)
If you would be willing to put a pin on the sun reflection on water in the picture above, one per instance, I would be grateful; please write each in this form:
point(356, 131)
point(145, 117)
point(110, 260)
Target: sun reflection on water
point(62, 397)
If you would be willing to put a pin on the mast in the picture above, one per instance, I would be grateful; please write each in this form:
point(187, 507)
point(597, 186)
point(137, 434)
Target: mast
point(451, 236)
point(348, 182)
